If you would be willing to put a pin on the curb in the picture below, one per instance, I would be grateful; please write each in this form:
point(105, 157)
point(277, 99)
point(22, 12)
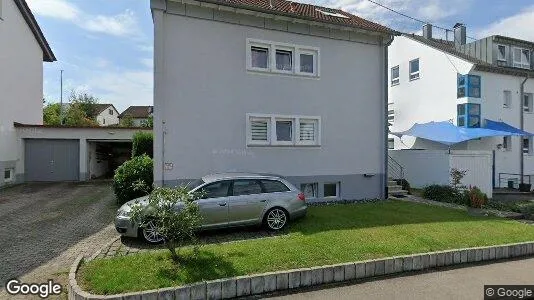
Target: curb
point(306, 277)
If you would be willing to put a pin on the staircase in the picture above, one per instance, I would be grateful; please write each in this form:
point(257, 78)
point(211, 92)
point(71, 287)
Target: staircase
point(395, 172)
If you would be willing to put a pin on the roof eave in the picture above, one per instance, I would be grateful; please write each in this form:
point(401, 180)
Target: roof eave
point(48, 54)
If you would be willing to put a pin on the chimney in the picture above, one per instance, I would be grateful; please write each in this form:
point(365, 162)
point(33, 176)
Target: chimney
point(459, 34)
point(427, 31)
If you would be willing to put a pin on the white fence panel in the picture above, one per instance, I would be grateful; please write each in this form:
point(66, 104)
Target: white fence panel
point(478, 165)
point(423, 167)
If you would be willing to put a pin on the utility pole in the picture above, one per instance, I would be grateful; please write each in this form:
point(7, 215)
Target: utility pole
point(61, 99)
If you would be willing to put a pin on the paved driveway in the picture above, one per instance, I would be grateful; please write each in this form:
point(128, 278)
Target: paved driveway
point(46, 225)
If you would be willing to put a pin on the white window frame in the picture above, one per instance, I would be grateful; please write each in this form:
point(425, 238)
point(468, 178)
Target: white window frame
point(337, 190)
point(396, 80)
point(507, 143)
point(11, 173)
point(520, 63)
point(527, 108)
point(505, 59)
point(296, 50)
point(316, 190)
point(391, 143)
point(507, 99)
point(271, 130)
point(529, 149)
point(418, 73)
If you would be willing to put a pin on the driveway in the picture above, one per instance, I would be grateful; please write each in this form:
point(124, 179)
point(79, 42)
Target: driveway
point(45, 226)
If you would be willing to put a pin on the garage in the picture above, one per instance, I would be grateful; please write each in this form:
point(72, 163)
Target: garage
point(52, 160)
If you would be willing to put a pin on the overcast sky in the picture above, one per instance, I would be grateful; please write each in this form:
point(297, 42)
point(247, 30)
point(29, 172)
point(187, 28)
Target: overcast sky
point(106, 46)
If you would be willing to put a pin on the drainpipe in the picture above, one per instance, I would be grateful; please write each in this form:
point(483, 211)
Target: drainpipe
point(385, 44)
point(521, 117)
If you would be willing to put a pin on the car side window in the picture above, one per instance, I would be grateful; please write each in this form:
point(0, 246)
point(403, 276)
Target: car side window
point(273, 186)
point(246, 187)
point(215, 190)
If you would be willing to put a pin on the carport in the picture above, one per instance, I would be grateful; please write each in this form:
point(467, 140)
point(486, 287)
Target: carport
point(60, 153)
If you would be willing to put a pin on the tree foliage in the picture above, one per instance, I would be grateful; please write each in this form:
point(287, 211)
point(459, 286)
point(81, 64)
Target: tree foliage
point(79, 112)
point(149, 122)
point(51, 114)
point(143, 143)
point(126, 121)
point(174, 214)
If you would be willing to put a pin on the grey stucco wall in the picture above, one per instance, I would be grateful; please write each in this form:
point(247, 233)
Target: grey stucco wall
point(203, 93)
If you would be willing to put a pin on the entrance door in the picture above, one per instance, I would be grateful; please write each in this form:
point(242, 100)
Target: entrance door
point(52, 160)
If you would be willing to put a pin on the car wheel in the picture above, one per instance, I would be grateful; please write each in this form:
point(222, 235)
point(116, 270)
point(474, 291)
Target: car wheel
point(150, 234)
point(276, 219)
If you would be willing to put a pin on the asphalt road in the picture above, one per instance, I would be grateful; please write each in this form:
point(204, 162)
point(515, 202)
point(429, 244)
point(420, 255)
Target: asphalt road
point(462, 283)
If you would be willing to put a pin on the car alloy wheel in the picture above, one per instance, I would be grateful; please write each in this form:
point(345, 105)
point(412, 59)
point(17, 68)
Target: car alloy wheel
point(151, 234)
point(276, 219)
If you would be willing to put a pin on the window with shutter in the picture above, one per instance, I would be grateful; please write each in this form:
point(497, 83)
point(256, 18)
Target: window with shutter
point(259, 130)
point(283, 130)
point(307, 130)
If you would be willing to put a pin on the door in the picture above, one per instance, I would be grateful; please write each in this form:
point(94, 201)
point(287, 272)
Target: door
point(214, 204)
point(52, 160)
point(246, 202)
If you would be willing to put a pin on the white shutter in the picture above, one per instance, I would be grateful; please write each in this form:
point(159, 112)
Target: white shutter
point(259, 129)
point(308, 130)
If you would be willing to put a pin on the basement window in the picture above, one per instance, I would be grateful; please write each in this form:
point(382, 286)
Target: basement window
point(309, 190)
point(331, 190)
point(9, 175)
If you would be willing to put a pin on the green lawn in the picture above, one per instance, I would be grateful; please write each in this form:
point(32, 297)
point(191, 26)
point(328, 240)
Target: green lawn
point(328, 235)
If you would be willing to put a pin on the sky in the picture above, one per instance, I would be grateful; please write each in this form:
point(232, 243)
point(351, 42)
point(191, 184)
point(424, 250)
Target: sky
point(105, 47)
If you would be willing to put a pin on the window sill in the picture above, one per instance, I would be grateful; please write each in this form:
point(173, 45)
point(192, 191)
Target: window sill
point(395, 84)
point(283, 146)
point(415, 78)
point(286, 74)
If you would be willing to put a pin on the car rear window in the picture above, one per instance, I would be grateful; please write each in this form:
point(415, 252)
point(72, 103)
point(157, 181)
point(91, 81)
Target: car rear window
point(273, 186)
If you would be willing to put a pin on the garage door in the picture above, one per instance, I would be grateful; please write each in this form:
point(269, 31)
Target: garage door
point(52, 160)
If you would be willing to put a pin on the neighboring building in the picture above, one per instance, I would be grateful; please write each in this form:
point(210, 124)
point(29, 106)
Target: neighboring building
point(272, 87)
point(23, 48)
point(139, 114)
point(467, 83)
point(105, 114)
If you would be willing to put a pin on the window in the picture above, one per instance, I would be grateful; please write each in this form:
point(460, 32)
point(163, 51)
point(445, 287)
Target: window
point(331, 190)
point(507, 99)
point(111, 112)
point(527, 145)
point(468, 115)
point(507, 143)
point(521, 58)
point(273, 186)
point(8, 173)
point(391, 144)
point(391, 115)
point(502, 53)
point(272, 57)
point(279, 130)
point(246, 187)
point(395, 75)
point(284, 130)
point(468, 86)
point(527, 102)
point(215, 190)
point(414, 69)
point(309, 190)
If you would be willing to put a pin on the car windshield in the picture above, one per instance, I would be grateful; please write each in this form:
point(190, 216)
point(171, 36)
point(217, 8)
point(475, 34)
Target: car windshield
point(193, 184)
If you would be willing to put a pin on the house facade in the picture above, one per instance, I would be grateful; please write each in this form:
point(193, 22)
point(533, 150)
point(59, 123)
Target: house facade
point(106, 114)
point(139, 114)
point(23, 49)
point(465, 83)
point(270, 87)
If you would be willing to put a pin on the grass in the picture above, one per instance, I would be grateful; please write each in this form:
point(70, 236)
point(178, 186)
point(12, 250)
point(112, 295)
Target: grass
point(328, 235)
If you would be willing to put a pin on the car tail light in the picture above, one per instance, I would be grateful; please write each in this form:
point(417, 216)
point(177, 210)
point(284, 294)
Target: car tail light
point(301, 197)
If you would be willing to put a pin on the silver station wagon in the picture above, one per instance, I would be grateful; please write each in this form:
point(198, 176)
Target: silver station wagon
point(231, 200)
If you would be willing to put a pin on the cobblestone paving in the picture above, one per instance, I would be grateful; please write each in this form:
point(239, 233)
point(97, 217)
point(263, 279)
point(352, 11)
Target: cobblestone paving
point(45, 226)
point(126, 246)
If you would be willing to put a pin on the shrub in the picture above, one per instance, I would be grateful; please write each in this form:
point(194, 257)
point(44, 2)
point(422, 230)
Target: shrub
point(476, 198)
point(143, 143)
point(133, 179)
point(177, 226)
point(445, 193)
point(405, 184)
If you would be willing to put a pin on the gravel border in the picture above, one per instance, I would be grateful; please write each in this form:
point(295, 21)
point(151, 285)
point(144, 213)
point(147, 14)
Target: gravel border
point(291, 279)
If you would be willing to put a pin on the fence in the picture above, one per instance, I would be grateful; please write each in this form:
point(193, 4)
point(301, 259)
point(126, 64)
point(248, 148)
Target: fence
point(426, 167)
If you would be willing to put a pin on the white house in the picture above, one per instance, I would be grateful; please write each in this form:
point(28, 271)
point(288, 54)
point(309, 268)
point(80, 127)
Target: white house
point(139, 114)
point(466, 83)
point(106, 114)
point(23, 48)
point(272, 87)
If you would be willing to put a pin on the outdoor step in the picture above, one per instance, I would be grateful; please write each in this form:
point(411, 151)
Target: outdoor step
point(392, 182)
point(399, 192)
point(394, 188)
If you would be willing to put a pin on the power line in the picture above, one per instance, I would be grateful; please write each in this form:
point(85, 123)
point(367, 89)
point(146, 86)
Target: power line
point(413, 18)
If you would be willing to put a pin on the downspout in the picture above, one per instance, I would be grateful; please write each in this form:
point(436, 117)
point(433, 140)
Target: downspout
point(521, 117)
point(386, 44)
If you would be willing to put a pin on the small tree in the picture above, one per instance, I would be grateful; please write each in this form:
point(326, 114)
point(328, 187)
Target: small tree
point(456, 177)
point(143, 143)
point(175, 216)
point(126, 121)
point(51, 114)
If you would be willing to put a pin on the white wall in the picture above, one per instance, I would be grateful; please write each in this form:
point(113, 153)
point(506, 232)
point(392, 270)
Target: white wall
point(106, 119)
point(478, 165)
point(206, 121)
point(21, 81)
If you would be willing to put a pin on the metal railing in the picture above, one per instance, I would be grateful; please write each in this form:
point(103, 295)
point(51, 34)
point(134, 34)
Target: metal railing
point(514, 178)
point(395, 170)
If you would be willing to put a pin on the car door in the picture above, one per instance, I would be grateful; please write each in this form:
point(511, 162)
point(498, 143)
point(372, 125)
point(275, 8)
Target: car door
point(246, 202)
point(214, 204)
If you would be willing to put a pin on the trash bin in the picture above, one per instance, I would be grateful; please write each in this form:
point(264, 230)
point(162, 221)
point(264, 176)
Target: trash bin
point(510, 184)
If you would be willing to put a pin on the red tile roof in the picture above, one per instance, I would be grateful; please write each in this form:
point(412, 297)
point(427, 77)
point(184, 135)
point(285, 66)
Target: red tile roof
point(138, 112)
point(305, 11)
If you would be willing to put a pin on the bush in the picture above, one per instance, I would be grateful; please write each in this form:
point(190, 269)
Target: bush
point(445, 193)
point(143, 143)
point(405, 184)
point(133, 179)
point(476, 198)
